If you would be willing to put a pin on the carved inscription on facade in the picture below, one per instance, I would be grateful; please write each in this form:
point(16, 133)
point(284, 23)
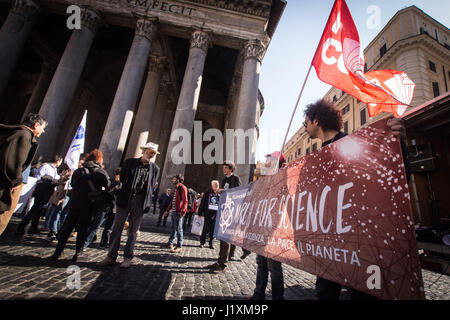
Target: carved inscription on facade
point(163, 6)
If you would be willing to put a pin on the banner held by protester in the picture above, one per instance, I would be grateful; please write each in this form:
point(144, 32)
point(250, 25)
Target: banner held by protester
point(342, 213)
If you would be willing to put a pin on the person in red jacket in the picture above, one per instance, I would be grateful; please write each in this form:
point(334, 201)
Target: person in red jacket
point(177, 208)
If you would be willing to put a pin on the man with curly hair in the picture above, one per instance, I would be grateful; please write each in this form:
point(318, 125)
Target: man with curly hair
point(323, 121)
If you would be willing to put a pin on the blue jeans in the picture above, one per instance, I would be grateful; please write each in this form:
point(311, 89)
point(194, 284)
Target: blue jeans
point(276, 274)
point(95, 225)
point(54, 214)
point(177, 228)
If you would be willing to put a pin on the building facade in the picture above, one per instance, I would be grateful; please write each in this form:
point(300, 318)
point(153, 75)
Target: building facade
point(412, 42)
point(141, 68)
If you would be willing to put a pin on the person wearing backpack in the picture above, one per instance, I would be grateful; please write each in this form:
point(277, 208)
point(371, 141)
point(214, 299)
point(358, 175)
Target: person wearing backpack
point(177, 208)
point(85, 180)
point(192, 208)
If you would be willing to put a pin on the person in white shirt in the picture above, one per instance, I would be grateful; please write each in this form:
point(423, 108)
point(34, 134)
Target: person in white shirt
point(50, 169)
point(47, 180)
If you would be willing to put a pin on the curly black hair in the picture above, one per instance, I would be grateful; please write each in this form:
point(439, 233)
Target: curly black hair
point(326, 114)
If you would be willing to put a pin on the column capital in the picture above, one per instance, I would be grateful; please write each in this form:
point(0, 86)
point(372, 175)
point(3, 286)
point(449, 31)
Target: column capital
point(157, 64)
point(201, 39)
point(90, 19)
point(254, 49)
point(146, 27)
point(26, 8)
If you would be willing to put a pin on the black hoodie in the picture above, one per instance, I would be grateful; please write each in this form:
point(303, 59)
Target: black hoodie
point(89, 171)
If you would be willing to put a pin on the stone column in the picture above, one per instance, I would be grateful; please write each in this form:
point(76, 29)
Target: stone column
point(187, 102)
point(40, 89)
point(13, 34)
point(166, 110)
point(66, 78)
point(119, 120)
point(141, 127)
point(246, 108)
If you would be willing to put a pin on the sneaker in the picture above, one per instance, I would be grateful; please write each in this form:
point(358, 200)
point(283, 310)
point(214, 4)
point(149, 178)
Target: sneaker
point(126, 263)
point(168, 246)
point(210, 266)
point(218, 268)
point(79, 255)
point(54, 257)
point(176, 250)
point(211, 246)
point(105, 262)
point(201, 245)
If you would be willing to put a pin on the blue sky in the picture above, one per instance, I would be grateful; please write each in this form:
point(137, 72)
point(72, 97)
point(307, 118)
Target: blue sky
point(292, 48)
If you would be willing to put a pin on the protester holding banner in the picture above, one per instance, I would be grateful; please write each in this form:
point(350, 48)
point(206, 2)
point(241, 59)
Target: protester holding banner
point(266, 265)
point(208, 209)
point(323, 121)
point(138, 177)
point(230, 181)
point(17, 149)
point(90, 176)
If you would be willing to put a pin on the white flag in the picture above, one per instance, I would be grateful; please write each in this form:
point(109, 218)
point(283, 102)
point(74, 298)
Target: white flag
point(77, 146)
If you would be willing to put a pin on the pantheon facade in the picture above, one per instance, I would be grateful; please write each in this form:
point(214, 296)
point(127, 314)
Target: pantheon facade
point(141, 69)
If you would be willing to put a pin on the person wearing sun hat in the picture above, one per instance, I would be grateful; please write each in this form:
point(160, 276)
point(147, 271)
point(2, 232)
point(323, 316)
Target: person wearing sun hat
point(138, 177)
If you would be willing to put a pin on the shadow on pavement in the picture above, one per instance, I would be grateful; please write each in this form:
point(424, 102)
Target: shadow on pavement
point(139, 282)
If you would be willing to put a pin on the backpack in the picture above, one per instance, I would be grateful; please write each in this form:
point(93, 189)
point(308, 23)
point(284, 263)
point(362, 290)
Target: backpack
point(100, 200)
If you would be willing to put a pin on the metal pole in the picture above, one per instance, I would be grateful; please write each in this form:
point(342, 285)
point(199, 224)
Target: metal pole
point(293, 114)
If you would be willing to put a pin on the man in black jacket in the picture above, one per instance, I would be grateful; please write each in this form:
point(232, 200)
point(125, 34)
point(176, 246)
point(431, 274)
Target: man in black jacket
point(17, 150)
point(138, 177)
point(208, 209)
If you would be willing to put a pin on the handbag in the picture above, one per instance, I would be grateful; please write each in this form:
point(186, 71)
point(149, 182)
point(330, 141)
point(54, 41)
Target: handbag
point(197, 225)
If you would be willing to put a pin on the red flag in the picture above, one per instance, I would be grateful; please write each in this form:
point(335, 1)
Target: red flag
point(339, 61)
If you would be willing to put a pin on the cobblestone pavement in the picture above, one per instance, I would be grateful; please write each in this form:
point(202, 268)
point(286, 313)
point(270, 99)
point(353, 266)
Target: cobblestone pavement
point(156, 274)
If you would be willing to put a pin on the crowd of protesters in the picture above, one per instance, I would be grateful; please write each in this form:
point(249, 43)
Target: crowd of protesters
point(82, 201)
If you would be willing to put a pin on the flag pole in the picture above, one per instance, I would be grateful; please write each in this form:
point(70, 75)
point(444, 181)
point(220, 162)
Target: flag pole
point(293, 113)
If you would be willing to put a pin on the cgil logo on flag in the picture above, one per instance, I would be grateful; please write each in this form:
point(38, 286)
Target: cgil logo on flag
point(339, 61)
point(77, 146)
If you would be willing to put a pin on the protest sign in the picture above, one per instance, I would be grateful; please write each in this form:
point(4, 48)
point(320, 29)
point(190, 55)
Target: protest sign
point(342, 213)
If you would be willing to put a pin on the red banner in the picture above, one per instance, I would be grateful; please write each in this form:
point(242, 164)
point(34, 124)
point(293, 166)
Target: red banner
point(342, 213)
